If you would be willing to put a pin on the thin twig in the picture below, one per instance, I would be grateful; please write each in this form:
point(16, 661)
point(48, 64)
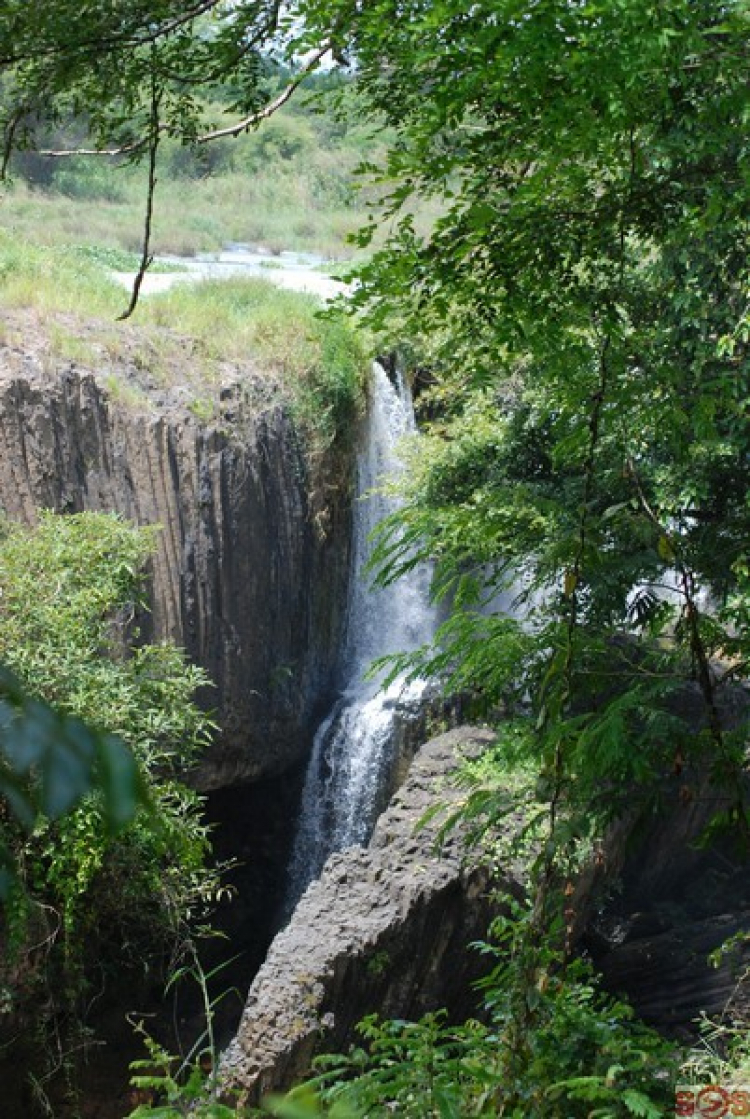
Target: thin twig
point(10, 135)
point(146, 255)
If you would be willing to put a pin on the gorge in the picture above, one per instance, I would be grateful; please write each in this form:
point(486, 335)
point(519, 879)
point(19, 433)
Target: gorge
point(252, 560)
point(545, 204)
point(259, 573)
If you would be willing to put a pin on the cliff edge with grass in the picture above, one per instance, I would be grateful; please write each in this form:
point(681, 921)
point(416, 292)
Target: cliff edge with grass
point(244, 463)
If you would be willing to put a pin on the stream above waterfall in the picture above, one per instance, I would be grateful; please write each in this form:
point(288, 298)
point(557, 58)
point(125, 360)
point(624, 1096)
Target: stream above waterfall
point(352, 756)
point(291, 270)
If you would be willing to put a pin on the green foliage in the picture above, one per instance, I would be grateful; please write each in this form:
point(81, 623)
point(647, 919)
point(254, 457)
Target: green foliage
point(61, 279)
point(176, 1087)
point(582, 308)
point(105, 59)
point(721, 1055)
point(582, 1053)
point(289, 184)
point(51, 761)
point(70, 589)
point(88, 181)
point(182, 1096)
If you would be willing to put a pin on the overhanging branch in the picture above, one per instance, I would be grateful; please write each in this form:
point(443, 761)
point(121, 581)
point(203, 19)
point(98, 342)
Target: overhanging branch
point(217, 134)
point(271, 107)
point(124, 149)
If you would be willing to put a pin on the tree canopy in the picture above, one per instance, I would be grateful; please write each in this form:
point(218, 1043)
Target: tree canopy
point(583, 305)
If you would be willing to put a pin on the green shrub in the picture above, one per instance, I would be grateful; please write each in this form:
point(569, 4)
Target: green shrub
point(70, 589)
point(558, 1049)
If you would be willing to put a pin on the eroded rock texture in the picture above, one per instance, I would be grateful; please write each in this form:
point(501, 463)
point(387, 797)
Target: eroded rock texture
point(251, 568)
point(385, 928)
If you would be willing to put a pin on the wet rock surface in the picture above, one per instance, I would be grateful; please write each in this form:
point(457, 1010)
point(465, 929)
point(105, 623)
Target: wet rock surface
point(672, 898)
point(657, 937)
point(385, 928)
point(668, 976)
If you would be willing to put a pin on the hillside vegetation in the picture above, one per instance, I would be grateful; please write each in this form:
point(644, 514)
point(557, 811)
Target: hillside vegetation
point(290, 184)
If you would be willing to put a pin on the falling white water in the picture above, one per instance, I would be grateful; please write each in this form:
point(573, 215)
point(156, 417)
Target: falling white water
point(351, 758)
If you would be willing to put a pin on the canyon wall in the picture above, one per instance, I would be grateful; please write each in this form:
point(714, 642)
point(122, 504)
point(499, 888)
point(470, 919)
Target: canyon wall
point(251, 569)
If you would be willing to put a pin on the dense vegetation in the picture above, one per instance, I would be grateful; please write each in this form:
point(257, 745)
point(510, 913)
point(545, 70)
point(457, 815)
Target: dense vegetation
point(288, 185)
point(97, 903)
point(580, 308)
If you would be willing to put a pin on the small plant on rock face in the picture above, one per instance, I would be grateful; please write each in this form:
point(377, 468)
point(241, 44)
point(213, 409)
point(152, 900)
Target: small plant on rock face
point(171, 1087)
point(378, 964)
point(203, 408)
point(126, 393)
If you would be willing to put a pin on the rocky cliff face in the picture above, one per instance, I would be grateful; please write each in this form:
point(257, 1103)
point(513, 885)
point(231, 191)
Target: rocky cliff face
point(385, 928)
point(251, 569)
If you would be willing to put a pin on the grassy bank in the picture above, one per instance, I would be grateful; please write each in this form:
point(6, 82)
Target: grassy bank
point(275, 209)
point(292, 184)
point(197, 337)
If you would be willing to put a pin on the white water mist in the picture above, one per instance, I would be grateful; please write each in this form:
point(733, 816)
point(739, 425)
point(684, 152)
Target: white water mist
point(352, 755)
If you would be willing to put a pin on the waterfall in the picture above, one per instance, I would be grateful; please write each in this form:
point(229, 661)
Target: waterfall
point(351, 758)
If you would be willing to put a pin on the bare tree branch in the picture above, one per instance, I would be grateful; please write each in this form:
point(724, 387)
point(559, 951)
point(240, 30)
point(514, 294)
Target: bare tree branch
point(231, 130)
point(124, 149)
point(271, 107)
point(147, 255)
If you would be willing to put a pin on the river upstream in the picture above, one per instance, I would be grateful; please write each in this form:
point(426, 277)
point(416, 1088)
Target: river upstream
point(291, 270)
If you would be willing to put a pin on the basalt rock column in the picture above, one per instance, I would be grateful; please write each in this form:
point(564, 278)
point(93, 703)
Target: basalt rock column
point(384, 928)
point(251, 569)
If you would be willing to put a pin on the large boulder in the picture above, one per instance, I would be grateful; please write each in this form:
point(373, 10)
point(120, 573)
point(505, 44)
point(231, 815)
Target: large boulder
point(385, 928)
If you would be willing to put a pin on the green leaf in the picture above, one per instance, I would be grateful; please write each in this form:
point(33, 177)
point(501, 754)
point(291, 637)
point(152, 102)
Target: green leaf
point(120, 782)
point(639, 1104)
point(665, 549)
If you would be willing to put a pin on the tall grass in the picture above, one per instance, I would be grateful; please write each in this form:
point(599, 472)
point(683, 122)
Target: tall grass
point(289, 185)
point(55, 278)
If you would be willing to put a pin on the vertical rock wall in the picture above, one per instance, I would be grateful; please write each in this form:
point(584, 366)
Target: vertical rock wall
point(250, 572)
